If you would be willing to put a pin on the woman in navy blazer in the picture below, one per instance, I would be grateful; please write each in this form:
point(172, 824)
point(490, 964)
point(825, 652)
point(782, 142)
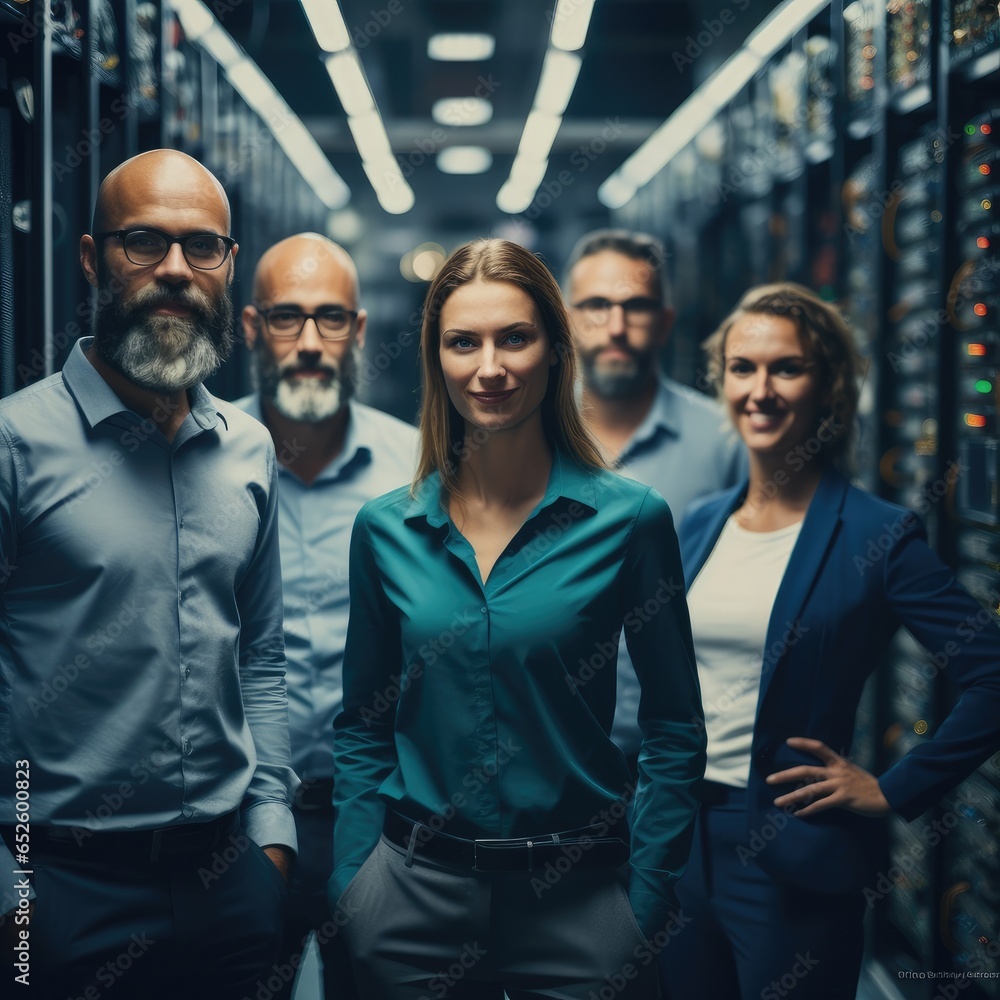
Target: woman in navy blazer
point(787, 842)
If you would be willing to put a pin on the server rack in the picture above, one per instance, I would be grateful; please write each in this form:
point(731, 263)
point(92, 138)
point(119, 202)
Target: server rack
point(900, 227)
point(85, 84)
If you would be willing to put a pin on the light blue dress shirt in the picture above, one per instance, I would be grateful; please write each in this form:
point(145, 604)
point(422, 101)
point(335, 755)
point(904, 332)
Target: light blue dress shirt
point(141, 655)
point(314, 526)
point(685, 448)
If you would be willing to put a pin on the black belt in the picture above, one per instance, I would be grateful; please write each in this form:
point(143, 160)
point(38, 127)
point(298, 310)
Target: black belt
point(130, 845)
point(315, 795)
point(572, 849)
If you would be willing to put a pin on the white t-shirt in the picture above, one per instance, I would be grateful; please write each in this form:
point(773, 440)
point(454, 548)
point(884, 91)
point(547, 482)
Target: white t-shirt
point(730, 603)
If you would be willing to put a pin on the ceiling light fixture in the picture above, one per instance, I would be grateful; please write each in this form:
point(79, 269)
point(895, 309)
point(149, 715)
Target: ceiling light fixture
point(327, 23)
point(464, 47)
point(462, 111)
point(570, 22)
point(464, 160)
point(246, 78)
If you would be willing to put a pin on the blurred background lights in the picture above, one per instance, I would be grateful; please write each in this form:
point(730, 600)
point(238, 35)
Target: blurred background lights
point(423, 262)
point(461, 47)
point(459, 111)
point(464, 160)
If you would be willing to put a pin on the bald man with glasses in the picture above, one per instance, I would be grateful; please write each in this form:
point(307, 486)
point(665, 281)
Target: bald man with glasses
point(142, 689)
point(306, 331)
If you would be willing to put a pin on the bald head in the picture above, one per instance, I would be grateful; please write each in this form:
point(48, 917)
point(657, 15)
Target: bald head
point(305, 260)
point(161, 179)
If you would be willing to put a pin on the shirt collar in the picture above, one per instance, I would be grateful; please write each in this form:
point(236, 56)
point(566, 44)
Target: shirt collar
point(99, 402)
point(567, 481)
point(664, 414)
point(360, 440)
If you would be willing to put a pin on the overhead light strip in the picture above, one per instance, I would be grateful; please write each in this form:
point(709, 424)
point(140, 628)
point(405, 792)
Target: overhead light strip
point(201, 28)
point(348, 77)
point(707, 101)
point(560, 70)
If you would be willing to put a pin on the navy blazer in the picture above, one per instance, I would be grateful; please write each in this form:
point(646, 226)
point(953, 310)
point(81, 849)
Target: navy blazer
point(860, 569)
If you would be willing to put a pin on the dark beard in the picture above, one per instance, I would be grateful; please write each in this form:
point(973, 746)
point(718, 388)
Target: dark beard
point(164, 353)
point(617, 383)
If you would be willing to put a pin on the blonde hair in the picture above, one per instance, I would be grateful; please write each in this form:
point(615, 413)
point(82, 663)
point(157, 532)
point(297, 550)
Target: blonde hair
point(442, 428)
point(829, 343)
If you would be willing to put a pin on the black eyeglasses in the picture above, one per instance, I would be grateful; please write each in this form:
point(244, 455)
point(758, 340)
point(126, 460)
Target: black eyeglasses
point(638, 310)
point(285, 323)
point(146, 247)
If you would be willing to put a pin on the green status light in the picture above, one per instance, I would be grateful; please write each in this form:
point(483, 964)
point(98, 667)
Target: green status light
point(970, 129)
point(984, 385)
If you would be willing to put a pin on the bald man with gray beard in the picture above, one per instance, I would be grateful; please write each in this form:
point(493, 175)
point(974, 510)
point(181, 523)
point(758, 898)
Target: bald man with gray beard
point(306, 330)
point(142, 692)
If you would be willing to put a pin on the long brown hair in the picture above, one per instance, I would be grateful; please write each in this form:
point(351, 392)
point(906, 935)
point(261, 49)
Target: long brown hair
point(828, 340)
point(442, 429)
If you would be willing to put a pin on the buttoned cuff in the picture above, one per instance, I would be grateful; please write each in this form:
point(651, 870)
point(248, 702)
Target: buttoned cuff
point(270, 823)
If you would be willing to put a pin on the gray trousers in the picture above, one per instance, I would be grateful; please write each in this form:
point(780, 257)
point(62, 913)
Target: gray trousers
point(423, 931)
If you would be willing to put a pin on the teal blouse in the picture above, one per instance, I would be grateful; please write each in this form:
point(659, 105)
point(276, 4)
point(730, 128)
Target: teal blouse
point(483, 709)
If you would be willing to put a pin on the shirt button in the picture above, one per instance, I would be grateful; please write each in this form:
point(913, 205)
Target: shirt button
point(483, 610)
point(187, 812)
point(186, 747)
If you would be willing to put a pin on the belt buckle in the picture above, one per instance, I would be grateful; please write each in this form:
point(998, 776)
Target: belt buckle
point(156, 847)
point(502, 846)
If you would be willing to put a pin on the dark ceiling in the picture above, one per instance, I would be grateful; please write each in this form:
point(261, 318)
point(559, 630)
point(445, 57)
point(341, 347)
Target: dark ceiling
point(629, 82)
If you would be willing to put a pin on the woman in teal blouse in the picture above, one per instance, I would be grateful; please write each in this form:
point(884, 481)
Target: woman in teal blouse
point(487, 603)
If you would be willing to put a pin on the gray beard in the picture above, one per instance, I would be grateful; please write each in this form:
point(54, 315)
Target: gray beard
point(164, 353)
point(308, 402)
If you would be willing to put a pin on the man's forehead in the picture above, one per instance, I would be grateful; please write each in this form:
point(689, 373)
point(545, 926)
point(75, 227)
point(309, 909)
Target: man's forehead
point(292, 277)
point(190, 202)
point(608, 268)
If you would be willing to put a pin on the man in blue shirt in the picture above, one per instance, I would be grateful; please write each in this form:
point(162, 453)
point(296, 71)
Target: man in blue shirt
point(142, 691)
point(658, 431)
point(306, 332)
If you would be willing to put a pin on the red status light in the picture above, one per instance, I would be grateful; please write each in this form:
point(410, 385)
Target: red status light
point(977, 350)
point(986, 129)
point(980, 309)
point(975, 420)
point(984, 168)
point(983, 242)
